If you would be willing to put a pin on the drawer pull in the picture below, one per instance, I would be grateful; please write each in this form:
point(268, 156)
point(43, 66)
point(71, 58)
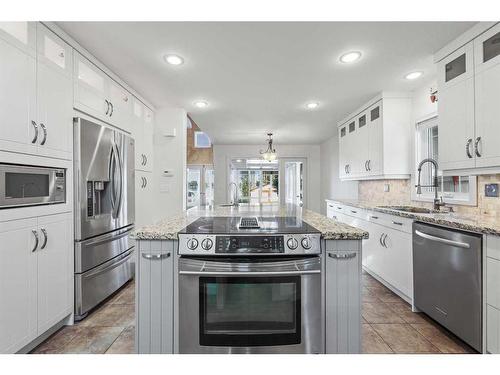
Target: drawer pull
point(374, 217)
point(354, 212)
point(339, 208)
point(342, 256)
point(397, 223)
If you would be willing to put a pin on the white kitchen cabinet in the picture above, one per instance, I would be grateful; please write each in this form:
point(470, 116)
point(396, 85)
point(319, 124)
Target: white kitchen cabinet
point(456, 109)
point(487, 91)
point(343, 297)
point(143, 128)
point(375, 139)
point(18, 284)
point(55, 266)
point(121, 107)
point(155, 305)
point(18, 123)
point(492, 330)
point(54, 95)
point(36, 270)
point(143, 198)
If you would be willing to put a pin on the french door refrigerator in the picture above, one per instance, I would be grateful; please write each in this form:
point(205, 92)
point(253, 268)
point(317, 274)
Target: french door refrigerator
point(104, 212)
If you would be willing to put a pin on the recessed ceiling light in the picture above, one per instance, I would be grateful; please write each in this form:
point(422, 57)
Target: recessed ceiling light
point(312, 105)
point(174, 59)
point(350, 57)
point(413, 75)
point(201, 104)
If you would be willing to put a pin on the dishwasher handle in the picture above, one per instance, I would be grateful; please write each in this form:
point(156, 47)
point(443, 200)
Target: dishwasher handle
point(442, 240)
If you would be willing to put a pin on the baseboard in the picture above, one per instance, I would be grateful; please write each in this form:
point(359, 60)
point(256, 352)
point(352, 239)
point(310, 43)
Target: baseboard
point(389, 286)
point(68, 320)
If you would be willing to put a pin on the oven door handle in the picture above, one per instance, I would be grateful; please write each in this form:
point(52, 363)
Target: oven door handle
point(245, 273)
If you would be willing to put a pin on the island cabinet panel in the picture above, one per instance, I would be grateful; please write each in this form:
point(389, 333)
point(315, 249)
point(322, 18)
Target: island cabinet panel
point(154, 301)
point(343, 296)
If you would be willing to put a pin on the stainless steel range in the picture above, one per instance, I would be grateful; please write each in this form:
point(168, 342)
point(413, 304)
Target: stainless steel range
point(250, 285)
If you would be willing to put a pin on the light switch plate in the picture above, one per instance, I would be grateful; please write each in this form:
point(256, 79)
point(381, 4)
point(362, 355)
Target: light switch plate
point(491, 190)
point(386, 188)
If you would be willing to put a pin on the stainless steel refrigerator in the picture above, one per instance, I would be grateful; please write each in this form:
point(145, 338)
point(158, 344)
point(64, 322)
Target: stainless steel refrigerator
point(104, 212)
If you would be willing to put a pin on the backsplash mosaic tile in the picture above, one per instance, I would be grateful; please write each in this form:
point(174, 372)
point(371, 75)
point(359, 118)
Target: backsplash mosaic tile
point(400, 194)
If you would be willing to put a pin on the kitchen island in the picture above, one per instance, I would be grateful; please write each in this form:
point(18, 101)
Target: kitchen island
point(338, 304)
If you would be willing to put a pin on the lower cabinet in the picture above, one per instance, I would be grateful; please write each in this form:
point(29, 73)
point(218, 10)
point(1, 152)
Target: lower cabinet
point(36, 277)
point(155, 305)
point(143, 198)
point(492, 330)
point(343, 297)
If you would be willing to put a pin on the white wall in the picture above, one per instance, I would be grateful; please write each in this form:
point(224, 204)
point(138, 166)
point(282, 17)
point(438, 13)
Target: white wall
point(224, 153)
point(331, 186)
point(170, 153)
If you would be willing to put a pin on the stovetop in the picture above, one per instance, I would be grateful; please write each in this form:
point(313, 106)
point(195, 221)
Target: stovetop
point(230, 226)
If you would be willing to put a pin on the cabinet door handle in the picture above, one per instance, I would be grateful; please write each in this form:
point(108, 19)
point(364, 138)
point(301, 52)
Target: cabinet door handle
point(397, 223)
point(35, 137)
point(44, 129)
point(342, 256)
point(142, 182)
point(45, 238)
point(145, 182)
point(366, 165)
point(383, 240)
point(476, 147)
point(369, 165)
point(374, 217)
point(380, 239)
point(156, 256)
point(354, 212)
point(112, 109)
point(107, 106)
point(339, 208)
point(146, 159)
point(35, 233)
point(467, 148)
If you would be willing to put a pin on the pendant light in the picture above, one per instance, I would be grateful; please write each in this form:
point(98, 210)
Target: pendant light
point(270, 153)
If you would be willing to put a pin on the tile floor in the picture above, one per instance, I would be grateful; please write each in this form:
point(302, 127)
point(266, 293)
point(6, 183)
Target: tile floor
point(388, 326)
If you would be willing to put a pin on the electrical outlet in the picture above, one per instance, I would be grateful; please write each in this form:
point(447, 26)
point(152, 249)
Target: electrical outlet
point(491, 190)
point(387, 187)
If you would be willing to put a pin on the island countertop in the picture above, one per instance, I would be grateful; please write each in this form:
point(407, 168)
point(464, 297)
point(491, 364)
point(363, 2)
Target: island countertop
point(330, 229)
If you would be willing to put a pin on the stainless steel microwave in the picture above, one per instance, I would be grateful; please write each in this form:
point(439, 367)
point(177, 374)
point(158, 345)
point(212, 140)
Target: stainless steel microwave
point(23, 185)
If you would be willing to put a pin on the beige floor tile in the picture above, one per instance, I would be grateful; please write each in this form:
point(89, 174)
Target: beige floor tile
point(441, 339)
point(57, 342)
point(384, 294)
point(379, 312)
point(125, 296)
point(372, 343)
point(111, 316)
point(92, 340)
point(124, 344)
point(403, 309)
point(402, 338)
point(367, 280)
point(368, 295)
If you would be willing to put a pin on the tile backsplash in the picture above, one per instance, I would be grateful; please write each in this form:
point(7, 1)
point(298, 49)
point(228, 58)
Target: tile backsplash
point(400, 194)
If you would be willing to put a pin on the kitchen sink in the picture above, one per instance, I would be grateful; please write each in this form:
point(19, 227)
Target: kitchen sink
point(412, 209)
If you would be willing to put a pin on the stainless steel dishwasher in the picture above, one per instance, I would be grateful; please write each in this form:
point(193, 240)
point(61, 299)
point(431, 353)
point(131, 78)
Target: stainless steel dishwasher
point(447, 279)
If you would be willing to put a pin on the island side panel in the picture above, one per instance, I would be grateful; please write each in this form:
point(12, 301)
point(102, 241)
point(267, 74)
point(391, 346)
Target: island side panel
point(343, 296)
point(154, 298)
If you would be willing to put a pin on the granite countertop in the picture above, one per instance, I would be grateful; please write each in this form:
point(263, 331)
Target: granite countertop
point(476, 223)
point(330, 229)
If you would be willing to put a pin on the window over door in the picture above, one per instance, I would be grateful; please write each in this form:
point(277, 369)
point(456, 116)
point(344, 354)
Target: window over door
point(454, 189)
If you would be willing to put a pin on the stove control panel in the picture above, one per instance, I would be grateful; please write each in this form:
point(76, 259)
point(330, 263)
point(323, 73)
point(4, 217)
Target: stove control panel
point(259, 244)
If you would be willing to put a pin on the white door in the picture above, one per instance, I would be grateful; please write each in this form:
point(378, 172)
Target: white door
point(54, 95)
point(350, 149)
point(362, 142)
point(148, 139)
point(294, 181)
point(397, 269)
point(487, 90)
point(376, 140)
point(55, 269)
point(18, 284)
point(343, 151)
point(143, 198)
point(91, 89)
point(138, 133)
point(456, 109)
point(121, 107)
point(18, 123)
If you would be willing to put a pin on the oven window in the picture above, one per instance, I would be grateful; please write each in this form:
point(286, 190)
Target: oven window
point(26, 185)
point(250, 311)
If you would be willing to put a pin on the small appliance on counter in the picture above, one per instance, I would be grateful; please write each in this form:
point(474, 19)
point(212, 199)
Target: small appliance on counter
point(249, 285)
point(104, 212)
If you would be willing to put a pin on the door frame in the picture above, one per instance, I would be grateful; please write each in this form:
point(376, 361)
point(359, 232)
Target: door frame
point(282, 189)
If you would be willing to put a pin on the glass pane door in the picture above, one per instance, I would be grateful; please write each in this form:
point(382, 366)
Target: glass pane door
point(250, 311)
point(294, 176)
point(193, 187)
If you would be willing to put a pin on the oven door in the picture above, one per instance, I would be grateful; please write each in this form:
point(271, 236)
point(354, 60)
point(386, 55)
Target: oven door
point(25, 185)
point(250, 306)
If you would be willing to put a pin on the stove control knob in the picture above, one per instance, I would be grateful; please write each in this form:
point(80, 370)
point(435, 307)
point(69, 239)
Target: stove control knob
point(192, 243)
point(206, 244)
point(306, 243)
point(292, 243)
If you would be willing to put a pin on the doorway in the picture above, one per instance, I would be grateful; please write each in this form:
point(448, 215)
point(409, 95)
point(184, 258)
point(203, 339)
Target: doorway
point(294, 177)
point(200, 186)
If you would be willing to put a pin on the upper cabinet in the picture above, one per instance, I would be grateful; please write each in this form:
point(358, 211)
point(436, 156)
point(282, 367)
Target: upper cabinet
point(99, 96)
point(36, 95)
point(469, 85)
point(142, 131)
point(374, 142)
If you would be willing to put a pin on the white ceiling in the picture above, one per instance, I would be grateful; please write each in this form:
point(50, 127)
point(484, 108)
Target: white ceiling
point(257, 77)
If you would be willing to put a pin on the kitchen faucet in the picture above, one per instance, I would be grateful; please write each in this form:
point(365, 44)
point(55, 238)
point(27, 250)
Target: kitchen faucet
point(235, 196)
point(438, 202)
